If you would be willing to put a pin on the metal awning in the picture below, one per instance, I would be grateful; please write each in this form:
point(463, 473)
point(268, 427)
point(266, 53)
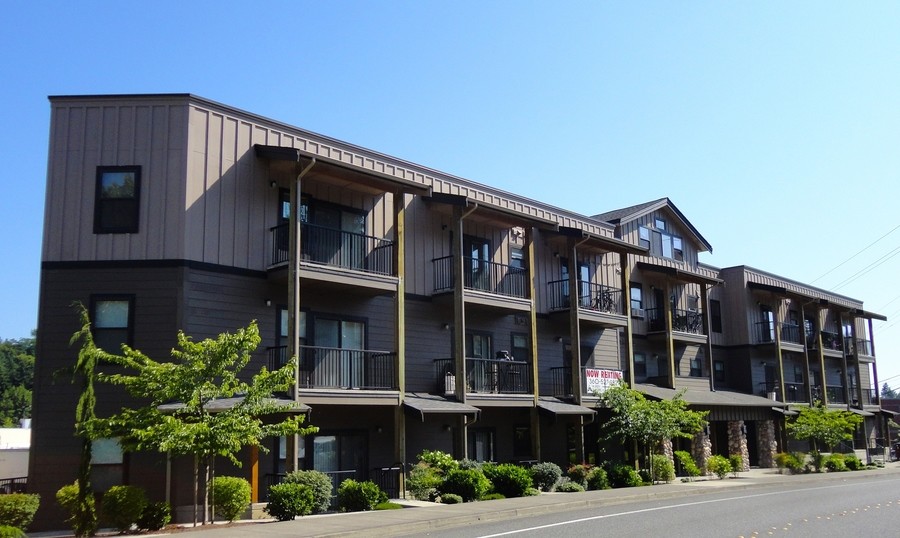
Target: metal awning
point(501, 212)
point(679, 274)
point(786, 412)
point(708, 398)
point(224, 404)
point(609, 243)
point(860, 412)
point(437, 405)
point(559, 407)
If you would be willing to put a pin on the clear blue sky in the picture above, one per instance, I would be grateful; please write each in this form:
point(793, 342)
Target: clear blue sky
point(774, 126)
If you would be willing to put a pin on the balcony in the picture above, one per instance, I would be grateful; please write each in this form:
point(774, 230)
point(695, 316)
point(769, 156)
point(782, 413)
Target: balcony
point(684, 321)
point(764, 332)
point(561, 381)
point(790, 333)
point(485, 376)
point(870, 397)
point(335, 368)
point(335, 248)
point(480, 275)
point(593, 297)
point(835, 394)
point(795, 393)
point(832, 342)
point(858, 348)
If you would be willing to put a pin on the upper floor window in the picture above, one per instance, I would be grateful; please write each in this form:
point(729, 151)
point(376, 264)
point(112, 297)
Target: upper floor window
point(660, 241)
point(637, 300)
point(517, 257)
point(715, 315)
point(117, 199)
point(112, 321)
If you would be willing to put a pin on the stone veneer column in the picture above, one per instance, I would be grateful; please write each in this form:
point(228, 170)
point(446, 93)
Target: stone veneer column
point(737, 442)
point(701, 449)
point(665, 448)
point(768, 444)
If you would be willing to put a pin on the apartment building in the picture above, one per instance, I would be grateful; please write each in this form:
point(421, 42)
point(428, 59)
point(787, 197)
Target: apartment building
point(427, 311)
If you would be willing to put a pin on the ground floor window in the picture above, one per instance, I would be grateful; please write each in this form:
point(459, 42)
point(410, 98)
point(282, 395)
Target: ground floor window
point(481, 444)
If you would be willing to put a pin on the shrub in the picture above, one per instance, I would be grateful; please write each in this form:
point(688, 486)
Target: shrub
point(493, 497)
point(17, 509)
point(356, 496)
point(155, 516)
point(578, 473)
point(438, 459)
point(424, 481)
point(545, 475)
point(835, 463)
point(532, 492)
point(289, 500)
point(123, 506)
point(470, 484)
point(319, 483)
point(686, 461)
point(818, 460)
point(719, 466)
point(663, 468)
point(11, 532)
point(597, 479)
point(792, 462)
point(567, 485)
point(624, 476)
point(466, 463)
point(451, 498)
point(852, 462)
point(737, 463)
point(508, 479)
point(231, 496)
point(388, 506)
point(84, 521)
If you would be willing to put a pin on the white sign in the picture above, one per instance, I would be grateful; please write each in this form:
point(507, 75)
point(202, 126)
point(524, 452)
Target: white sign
point(598, 380)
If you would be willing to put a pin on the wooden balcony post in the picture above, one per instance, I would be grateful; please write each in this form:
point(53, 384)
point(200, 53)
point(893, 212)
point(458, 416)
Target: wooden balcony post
point(821, 353)
point(459, 325)
point(778, 354)
point(574, 325)
point(704, 300)
point(532, 343)
point(804, 339)
point(399, 254)
point(625, 284)
point(670, 340)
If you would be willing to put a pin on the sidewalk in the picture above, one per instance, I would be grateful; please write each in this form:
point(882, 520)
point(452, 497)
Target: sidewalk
point(421, 517)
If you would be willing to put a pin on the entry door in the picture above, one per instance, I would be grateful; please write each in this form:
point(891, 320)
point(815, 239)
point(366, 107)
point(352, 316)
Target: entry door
point(339, 355)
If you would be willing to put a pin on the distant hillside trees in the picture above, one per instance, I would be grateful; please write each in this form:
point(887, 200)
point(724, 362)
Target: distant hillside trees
point(16, 380)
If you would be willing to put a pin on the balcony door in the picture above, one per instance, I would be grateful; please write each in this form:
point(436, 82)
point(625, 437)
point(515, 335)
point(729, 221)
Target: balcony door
point(339, 357)
point(341, 455)
point(584, 282)
point(331, 234)
point(477, 252)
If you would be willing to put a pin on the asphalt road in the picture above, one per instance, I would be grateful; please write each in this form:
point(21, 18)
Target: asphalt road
point(839, 508)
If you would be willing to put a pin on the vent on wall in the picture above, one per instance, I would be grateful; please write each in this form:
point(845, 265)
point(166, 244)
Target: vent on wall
point(637, 313)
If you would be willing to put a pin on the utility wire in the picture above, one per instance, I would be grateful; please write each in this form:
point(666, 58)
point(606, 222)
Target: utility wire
point(855, 255)
point(868, 268)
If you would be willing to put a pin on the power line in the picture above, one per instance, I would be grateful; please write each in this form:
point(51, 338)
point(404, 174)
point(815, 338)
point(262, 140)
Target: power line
point(868, 268)
point(855, 255)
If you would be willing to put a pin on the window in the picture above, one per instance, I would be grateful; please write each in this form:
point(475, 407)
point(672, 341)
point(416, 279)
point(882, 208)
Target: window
point(696, 367)
point(517, 257)
point(481, 444)
point(117, 199)
point(479, 345)
point(637, 300)
point(660, 242)
point(519, 347)
point(346, 451)
point(339, 360)
point(640, 365)
point(659, 224)
point(107, 464)
point(111, 320)
point(521, 441)
point(798, 373)
point(644, 237)
point(719, 371)
point(715, 315)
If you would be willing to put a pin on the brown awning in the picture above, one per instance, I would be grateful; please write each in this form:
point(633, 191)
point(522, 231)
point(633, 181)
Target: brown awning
point(559, 407)
point(678, 274)
point(708, 397)
point(431, 404)
point(224, 404)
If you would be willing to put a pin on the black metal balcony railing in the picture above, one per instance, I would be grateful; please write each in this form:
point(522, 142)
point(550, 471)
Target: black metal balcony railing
point(835, 394)
point(591, 296)
point(767, 388)
point(486, 376)
point(795, 393)
point(870, 397)
point(790, 333)
point(481, 275)
point(561, 381)
point(337, 248)
point(765, 332)
point(685, 321)
point(857, 347)
point(334, 368)
point(14, 485)
point(831, 341)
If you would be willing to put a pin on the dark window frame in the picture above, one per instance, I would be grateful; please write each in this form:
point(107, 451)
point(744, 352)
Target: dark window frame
point(97, 332)
point(640, 366)
point(104, 207)
point(719, 371)
point(715, 315)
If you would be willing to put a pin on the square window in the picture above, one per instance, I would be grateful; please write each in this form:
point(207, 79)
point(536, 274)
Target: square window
point(117, 199)
point(111, 320)
point(660, 224)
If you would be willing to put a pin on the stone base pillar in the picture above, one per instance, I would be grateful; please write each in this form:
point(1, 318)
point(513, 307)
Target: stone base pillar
point(737, 442)
point(701, 449)
point(767, 443)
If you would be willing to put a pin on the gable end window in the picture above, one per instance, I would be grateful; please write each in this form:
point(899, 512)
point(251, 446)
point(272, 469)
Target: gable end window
point(117, 199)
point(660, 241)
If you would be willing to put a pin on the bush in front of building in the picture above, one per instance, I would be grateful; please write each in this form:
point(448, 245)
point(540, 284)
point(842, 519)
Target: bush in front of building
point(440, 460)
point(793, 463)
point(567, 485)
point(545, 475)
point(853, 463)
point(289, 500)
point(578, 473)
point(622, 475)
point(424, 481)
point(737, 463)
point(466, 463)
point(122, 506)
point(597, 479)
point(508, 479)
point(83, 522)
point(687, 463)
point(470, 484)
point(353, 496)
point(451, 498)
point(156, 516)
point(7, 531)
point(319, 483)
point(719, 466)
point(230, 496)
point(835, 463)
point(663, 468)
point(17, 509)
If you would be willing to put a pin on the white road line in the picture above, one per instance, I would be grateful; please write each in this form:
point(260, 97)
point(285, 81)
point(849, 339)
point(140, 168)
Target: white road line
point(658, 508)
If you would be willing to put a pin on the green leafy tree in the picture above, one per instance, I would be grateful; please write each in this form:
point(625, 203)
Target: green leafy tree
point(823, 427)
point(649, 422)
point(16, 380)
point(888, 392)
point(180, 416)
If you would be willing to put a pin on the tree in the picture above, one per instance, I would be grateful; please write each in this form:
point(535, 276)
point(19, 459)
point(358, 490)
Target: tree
point(184, 414)
point(16, 379)
point(649, 422)
point(888, 392)
point(822, 426)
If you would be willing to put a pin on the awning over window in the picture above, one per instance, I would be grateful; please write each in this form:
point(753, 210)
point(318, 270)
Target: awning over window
point(708, 398)
point(437, 405)
point(861, 413)
point(224, 404)
point(559, 407)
